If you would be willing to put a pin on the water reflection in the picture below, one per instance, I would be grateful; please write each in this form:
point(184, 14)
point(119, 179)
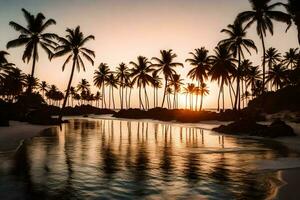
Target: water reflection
point(88, 159)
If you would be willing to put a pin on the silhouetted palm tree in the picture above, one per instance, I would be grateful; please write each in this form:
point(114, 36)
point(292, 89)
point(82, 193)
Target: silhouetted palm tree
point(156, 85)
point(13, 83)
point(141, 73)
point(73, 46)
point(112, 82)
point(100, 77)
point(262, 13)
point(272, 57)
point(72, 93)
point(277, 76)
point(166, 65)
point(191, 90)
point(122, 74)
point(203, 89)
point(222, 65)
point(31, 82)
point(83, 86)
point(293, 8)
point(253, 75)
point(176, 82)
point(4, 64)
point(43, 86)
point(32, 36)
point(200, 61)
point(236, 43)
point(291, 58)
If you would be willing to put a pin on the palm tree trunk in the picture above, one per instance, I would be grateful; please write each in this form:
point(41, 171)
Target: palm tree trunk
point(68, 90)
point(219, 97)
point(201, 102)
point(126, 94)
point(230, 95)
point(154, 97)
point(140, 97)
point(104, 96)
point(236, 102)
point(129, 96)
point(264, 62)
point(165, 90)
point(186, 100)
point(113, 97)
point(33, 67)
point(174, 99)
point(223, 97)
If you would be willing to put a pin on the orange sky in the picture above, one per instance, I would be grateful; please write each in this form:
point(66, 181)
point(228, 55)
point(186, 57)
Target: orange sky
point(125, 29)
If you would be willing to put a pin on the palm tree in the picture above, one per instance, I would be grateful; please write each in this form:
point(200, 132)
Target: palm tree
point(253, 75)
point(262, 13)
point(291, 58)
point(83, 85)
point(272, 57)
point(43, 86)
point(13, 82)
point(222, 65)
point(73, 46)
point(169, 92)
point(32, 36)
point(156, 85)
point(176, 82)
point(236, 43)
point(112, 82)
point(203, 89)
point(293, 8)
point(100, 78)
point(31, 82)
point(166, 65)
point(122, 74)
point(141, 76)
point(72, 93)
point(277, 76)
point(4, 64)
point(200, 61)
point(191, 90)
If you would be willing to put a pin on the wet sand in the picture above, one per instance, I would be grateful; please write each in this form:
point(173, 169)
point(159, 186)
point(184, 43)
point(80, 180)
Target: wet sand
point(12, 136)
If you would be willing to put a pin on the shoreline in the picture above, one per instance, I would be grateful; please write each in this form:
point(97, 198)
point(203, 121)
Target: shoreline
point(12, 137)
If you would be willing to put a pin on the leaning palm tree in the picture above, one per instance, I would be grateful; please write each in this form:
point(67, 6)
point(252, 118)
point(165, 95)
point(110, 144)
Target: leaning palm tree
point(141, 73)
point(291, 58)
point(222, 65)
point(32, 36)
point(73, 46)
point(100, 78)
point(262, 13)
point(166, 65)
point(201, 65)
point(237, 43)
point(122, 74)
point(277, 76)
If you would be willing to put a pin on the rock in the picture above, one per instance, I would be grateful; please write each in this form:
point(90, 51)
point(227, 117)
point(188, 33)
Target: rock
point(249, 127)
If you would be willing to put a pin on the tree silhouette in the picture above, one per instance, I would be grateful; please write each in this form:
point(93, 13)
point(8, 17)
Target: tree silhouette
point(32, 36)
point(166, 65)
point(100, 78)
point(73, 46)
point(262, 13)
point(122, 75)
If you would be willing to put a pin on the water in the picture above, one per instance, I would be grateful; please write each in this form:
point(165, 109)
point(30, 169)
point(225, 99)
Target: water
point(118, 159)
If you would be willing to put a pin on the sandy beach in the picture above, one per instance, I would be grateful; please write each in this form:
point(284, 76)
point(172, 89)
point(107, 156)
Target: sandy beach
point(11, 137)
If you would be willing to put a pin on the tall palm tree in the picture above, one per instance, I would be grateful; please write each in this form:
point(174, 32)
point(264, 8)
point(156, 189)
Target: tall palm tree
point(203, 89)
point(272, 57)
point(43, 87)
point(100, 78)
point(222, 65)
point(112, 82)
point(176, 82)
point(166, 65)
point(291, 58)
point(237, 43)
point(33, 35)
point(122, 74)
point(141, 73)
point(293, 8)
point(263, 13)
point(73, 46)
point(277, 76)
point(201, 64)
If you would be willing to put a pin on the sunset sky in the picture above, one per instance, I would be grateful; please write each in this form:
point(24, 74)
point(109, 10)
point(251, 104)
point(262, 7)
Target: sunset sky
point(125, 29)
